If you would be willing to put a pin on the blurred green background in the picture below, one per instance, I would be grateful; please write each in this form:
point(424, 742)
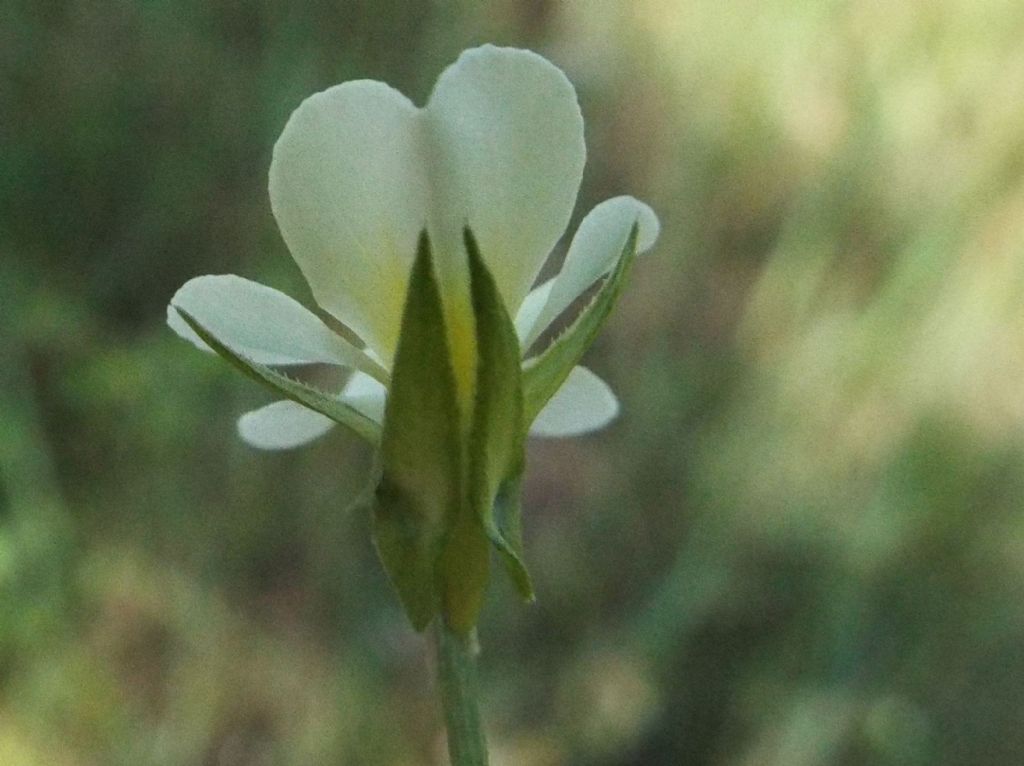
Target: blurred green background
point(802, 542)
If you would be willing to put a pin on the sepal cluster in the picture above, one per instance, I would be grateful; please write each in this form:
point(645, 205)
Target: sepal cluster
point(442, 465)
point(451, 477)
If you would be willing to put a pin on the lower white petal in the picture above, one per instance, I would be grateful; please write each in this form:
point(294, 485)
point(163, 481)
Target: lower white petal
point(282, 425)
point(365, 395)
point(260, 323)
point(594, 251)
point(286, 424)
point(583, 403)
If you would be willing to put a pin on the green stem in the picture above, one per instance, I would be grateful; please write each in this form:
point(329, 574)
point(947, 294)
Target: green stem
point(456, 671)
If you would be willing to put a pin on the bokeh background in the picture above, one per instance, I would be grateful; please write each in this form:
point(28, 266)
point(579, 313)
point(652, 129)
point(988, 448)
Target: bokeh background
point(801, 544)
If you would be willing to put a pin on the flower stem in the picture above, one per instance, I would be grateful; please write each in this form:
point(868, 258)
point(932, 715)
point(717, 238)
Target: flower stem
point(456, 671)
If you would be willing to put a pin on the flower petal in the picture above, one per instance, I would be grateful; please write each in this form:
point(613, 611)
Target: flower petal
point(530, 309)
point(348, 189)
point(594, 251)
point(506, 151)
point(366, 395)
point(260, 323)
point(287, 424)
point(282, 425)
point(583, 403)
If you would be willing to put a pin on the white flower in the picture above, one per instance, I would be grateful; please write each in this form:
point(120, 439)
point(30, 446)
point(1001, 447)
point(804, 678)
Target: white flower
point(359, 172)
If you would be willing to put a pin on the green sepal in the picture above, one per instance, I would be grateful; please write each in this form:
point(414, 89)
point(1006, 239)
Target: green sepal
point(281, 384)
point(507, 536)
point(420, 491)
point(497, 439)
point(544, 374)
point(463, 571)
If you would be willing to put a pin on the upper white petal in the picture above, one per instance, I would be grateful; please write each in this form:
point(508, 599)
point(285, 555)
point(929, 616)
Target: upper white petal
point(348, 189)
point(583, 403)
point(594, 252)
point(359, 171)
point(282, 425)
point(258, 322)
point(506, 155)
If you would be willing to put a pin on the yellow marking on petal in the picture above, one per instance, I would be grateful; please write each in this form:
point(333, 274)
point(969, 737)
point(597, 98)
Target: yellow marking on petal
point(462, 340)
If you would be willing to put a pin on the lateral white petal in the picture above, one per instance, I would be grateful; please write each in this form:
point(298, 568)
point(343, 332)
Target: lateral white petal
point(584, 403)
point(507, 153)
point(258, 322)
point(282, 425)
point(595, 250)
point(530, 309)
point(348, 189)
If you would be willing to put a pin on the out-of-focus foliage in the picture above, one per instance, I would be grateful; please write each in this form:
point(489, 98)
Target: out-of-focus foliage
point(801, 544)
